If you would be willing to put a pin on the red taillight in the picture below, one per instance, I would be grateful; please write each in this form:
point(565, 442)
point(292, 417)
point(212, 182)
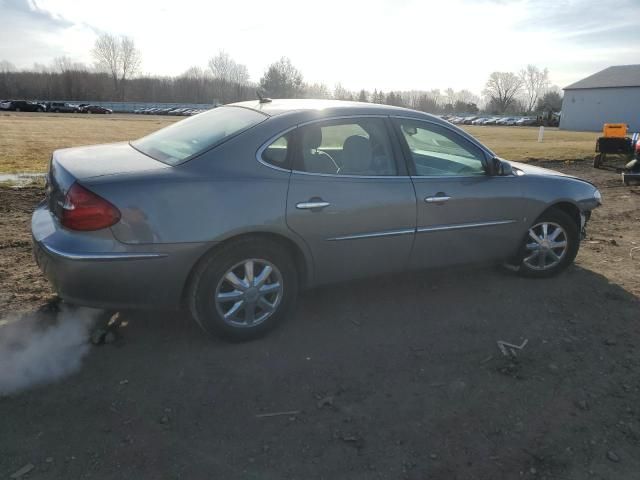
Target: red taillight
point(84, 210)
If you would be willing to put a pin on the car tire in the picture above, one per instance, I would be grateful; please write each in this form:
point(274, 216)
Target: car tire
point(210, 282)
point(548, 258)
point(56, 111)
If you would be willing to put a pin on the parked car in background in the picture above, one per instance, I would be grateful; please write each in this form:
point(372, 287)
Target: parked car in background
point(232, 212)
point(507, 121)
point(527, 121)
point(479, 121)
point(94, 109)
point(491, 121)
point(468, 120)
point(22, 106)
point(63, 107)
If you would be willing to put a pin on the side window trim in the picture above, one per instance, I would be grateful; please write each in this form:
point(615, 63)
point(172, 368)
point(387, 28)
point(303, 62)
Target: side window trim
point(401, 170)
point(396, 121)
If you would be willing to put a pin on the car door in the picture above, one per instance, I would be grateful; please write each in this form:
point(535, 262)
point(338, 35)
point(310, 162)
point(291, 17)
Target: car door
point(350, 198)
point(464, 214)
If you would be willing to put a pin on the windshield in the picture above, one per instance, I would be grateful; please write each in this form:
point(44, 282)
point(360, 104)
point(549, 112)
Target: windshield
point(182, 140)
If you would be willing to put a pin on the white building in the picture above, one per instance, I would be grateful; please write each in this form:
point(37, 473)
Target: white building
point(609, 96)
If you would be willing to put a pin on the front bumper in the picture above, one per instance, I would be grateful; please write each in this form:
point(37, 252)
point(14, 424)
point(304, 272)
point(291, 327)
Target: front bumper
point(94, 269)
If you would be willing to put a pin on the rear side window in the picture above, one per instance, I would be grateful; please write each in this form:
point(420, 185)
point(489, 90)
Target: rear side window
point(194, 135)
point(277, 153)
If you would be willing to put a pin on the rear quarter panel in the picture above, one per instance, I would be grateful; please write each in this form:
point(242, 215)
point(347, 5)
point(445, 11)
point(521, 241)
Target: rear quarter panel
point(223, 193)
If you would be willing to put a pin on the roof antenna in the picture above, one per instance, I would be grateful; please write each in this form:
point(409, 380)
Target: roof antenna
point(261, 98)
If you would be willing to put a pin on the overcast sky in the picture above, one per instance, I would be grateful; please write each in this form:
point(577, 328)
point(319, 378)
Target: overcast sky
point(383, 44)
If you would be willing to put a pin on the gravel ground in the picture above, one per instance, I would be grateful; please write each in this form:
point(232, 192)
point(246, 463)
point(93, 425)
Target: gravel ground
point(395, 377)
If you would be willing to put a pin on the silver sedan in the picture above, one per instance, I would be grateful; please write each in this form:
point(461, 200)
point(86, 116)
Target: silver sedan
point(233, 211)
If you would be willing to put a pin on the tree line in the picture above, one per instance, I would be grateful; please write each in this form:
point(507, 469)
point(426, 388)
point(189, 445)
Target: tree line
point(115, 76)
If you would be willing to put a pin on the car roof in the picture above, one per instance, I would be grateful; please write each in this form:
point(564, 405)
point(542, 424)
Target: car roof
point(316, 107)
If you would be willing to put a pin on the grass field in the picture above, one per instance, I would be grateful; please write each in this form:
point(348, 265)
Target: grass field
point(521, 143)
point(27, 140)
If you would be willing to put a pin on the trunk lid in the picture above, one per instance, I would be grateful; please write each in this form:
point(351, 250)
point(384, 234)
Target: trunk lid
point(100, 160)
point(82, 163)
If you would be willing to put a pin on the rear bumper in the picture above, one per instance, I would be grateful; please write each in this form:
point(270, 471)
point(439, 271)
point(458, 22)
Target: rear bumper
point(95, 270)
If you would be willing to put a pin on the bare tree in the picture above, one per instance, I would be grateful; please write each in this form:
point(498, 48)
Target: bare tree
point(316, 90)
point(465, 96)
point(436, 95)
point(535, 82)
point(231, 76)
point(502, 88)
point(119, 57)
point(427, 102)
point(6, 66)
point(72, 76)
point(450, 96)
point(341, 93)
point(225, 68)
point(66, 64)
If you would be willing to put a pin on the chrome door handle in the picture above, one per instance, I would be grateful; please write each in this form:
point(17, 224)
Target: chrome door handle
point(436, 199)
point(312, 205)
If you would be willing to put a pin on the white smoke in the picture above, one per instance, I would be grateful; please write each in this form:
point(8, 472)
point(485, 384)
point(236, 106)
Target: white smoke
point(38, 348)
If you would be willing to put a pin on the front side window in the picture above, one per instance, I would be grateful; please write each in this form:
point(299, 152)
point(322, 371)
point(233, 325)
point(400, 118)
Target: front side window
point(438, 151)
point(194, 135)
point(358, 146)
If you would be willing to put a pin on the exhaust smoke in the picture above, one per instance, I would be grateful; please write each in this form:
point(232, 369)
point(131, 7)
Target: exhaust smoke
point(42, 347)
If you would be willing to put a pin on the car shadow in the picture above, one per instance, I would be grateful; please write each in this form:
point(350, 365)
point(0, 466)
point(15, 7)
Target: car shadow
point(395, 372)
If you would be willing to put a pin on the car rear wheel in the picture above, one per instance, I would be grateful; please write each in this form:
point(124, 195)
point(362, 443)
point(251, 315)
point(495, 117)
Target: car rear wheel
point(550, 246)
point(244, 289)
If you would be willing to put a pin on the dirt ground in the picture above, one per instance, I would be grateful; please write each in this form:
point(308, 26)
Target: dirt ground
point(392, 378)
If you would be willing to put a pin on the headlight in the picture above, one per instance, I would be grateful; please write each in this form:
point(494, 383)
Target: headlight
point(597, 195)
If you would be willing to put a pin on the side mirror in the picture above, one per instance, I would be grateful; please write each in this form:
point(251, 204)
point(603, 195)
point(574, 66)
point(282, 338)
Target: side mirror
point(500, 167)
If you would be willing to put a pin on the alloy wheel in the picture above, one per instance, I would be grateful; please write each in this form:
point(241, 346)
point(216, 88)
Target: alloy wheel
point(546, 246)
point(249, 293)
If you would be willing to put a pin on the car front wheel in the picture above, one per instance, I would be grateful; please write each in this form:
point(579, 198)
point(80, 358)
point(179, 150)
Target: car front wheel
point(550, 246)
point(244, 289)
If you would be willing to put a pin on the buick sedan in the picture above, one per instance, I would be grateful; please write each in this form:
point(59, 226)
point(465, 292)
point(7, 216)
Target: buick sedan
point(231, 212)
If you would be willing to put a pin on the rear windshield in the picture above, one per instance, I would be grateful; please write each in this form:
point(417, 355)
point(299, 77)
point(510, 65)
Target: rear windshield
point(194, 135)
